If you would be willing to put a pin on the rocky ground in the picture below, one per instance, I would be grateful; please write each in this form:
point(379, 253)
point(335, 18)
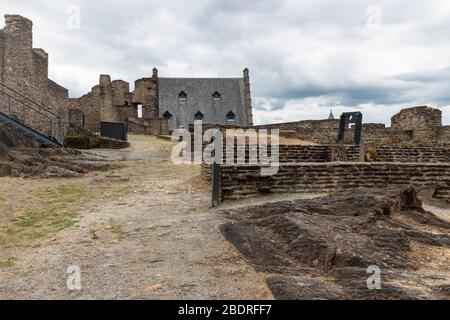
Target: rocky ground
point(322, 248)
point(142, 229)
point(21, 157)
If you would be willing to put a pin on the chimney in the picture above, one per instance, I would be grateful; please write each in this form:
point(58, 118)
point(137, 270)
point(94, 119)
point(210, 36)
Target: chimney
point(247, 97)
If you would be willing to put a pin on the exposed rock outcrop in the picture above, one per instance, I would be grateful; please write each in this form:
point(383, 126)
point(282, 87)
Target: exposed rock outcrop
point(322, 248)
point(20, 156)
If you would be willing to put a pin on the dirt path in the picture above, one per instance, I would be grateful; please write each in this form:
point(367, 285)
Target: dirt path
point(142, 231)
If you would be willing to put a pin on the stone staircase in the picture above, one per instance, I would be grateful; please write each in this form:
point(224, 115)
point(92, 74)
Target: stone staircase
point(44, 141)
point(30, 119)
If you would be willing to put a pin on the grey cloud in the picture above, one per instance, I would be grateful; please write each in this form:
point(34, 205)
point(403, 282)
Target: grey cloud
point(296, 50)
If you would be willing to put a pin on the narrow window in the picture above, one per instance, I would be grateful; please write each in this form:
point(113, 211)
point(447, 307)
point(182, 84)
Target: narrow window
point(230, 117)
point(198, 116)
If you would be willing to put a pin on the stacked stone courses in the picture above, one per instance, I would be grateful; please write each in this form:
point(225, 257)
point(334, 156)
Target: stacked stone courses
point(244, 181)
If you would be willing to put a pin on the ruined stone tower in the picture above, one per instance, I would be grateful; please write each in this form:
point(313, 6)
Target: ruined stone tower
point(25, 69)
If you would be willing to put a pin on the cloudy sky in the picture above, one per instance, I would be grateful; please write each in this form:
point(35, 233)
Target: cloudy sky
point(305, 57)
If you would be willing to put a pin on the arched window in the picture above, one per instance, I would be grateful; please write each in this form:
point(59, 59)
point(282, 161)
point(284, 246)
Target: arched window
point(230, 116)
point(182, 97)
point(167, 115)
point(198, 116)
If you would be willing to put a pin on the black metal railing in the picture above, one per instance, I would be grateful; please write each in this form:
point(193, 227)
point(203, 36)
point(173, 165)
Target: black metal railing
point(17, 106)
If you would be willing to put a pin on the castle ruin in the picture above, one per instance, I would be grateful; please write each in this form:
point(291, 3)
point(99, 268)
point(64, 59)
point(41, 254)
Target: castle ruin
point(160, 105)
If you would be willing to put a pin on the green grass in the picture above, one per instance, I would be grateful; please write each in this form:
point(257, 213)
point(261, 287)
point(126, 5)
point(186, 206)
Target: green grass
point(121, 191)
point(55, 212)
point(116, 228)
point(8, 263)
point(166, 173)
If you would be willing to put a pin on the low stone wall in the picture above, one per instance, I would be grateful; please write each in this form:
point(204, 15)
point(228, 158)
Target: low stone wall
point(324, 153)
point(418, 126)
point(287, 154)
point(154, 127)
point(392, 154)
point(80, 138)
point(326, 132)
point(244, 181)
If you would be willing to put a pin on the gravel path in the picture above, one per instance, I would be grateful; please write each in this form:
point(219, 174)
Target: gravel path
point(145, 231)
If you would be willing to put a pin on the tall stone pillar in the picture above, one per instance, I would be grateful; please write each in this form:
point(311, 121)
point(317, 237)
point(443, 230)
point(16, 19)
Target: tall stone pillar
point(106, 99)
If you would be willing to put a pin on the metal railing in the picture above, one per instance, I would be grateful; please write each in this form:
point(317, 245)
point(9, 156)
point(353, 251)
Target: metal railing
point(17, 106)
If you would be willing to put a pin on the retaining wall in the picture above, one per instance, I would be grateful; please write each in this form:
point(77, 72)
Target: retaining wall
point(243, 181)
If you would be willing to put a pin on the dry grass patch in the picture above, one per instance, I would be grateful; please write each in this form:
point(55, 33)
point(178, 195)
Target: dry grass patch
point(56, 210)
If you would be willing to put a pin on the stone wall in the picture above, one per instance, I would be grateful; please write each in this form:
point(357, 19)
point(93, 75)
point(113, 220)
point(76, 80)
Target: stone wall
point(153, 127)
point(445, 133)
point(330, 153)
point(79, 138)
point(326, 131)
point(244, 181)
point(418, 118)
point(25, 69)
point(112, 101)
point(75, 117)
point(419, 154)
point(418, 126)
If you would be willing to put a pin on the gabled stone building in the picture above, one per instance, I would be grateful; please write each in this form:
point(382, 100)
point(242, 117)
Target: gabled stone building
point(160, 105)
point(212, 100)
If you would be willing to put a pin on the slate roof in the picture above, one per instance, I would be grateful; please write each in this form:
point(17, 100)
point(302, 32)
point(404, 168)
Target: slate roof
point(200, 97)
